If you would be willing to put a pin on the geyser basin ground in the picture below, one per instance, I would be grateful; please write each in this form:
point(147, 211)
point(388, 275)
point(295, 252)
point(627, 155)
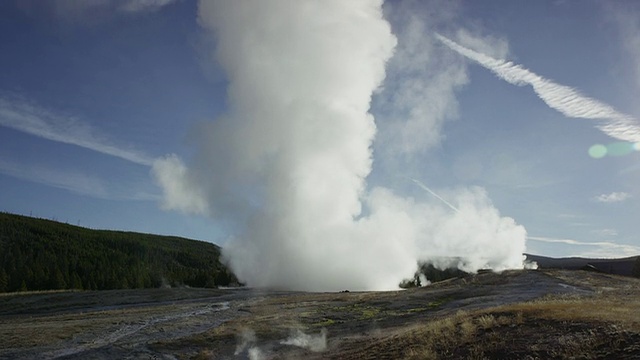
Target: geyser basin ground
point(546, 314)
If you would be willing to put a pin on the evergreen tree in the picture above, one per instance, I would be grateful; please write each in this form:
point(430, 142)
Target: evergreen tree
point(4, 280)
point(636, 268)
point(39, 254)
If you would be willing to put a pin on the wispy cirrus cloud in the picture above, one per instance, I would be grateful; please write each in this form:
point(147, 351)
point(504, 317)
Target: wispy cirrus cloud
point(134, 6)
point(89, 12)
point(627, 19)
point(32, 119)
point(568, 101)
point(598, 248)
point(75, 182)
point(605, 232)
point(78, 182)
point(612, 197)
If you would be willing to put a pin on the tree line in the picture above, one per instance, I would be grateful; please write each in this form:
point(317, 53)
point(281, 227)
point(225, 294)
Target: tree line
point(39, 254)
point(435, 274)
point(432, 274)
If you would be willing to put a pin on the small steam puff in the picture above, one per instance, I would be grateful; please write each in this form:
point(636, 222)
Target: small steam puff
point(246, 339)
point(285, 169)
point(247, 342)
point(315, 343)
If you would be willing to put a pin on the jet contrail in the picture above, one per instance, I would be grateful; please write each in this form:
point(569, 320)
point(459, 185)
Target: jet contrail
point(31, 119)
point(424, 187)
point(568, 101)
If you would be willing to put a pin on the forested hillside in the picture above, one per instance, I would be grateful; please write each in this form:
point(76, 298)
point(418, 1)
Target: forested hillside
point(628, 266)
point(38, 254)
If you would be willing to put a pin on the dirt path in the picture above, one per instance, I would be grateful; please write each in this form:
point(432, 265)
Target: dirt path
point(113, 328)
point(132, 337)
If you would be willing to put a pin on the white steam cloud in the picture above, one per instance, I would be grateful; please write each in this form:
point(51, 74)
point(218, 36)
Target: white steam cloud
point(564, 99)
point(285, 169)
point(419, 94)
point(247, 342)
point(314, 343)
point(171, 174)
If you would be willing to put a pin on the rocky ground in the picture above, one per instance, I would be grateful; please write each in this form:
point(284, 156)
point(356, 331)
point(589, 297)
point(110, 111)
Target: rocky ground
point(516, 314)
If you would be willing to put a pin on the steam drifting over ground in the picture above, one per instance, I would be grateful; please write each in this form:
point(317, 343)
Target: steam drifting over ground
point(286, 167)
point(315, 343)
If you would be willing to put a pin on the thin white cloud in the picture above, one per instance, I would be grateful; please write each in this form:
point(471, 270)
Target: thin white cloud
point(71, 10)
point(574, 220)
point(602, 248)
point(568, 101)
point(75, 182)
point(569, 216)
point(31, 119)
point(605, 232)
point(78, 182)
point(579, 224)
point(89, 12)
point(627, 19)
point(612, 197)
point(134, 6)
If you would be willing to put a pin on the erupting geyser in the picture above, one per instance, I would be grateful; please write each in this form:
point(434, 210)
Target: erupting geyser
point(286, 167)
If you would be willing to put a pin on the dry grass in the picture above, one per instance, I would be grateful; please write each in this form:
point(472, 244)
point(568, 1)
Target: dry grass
point(600, 320)
point(573, 327)
point(603, 324)
point(37, 292)
point(624, 311)
point(48, 330)
point(599, 324)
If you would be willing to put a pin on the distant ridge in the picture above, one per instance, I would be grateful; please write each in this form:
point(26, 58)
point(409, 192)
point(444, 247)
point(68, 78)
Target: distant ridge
point(39, 254)
point(620, 266)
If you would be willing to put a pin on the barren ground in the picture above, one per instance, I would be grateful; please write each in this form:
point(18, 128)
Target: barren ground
point(516, 314)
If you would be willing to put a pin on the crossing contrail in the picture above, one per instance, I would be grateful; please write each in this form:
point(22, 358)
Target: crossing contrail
point(424, 187)
point(568, 101)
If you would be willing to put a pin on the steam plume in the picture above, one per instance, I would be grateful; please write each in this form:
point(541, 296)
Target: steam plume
point(315, 343)
point(564, 99)
point(247, 342)
point(285, 169)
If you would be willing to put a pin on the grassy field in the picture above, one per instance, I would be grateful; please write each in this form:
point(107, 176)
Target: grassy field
point(604, 324)
point(515, 315)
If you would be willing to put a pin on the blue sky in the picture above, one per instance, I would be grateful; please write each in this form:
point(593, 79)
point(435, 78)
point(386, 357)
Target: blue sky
point(92, 94)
